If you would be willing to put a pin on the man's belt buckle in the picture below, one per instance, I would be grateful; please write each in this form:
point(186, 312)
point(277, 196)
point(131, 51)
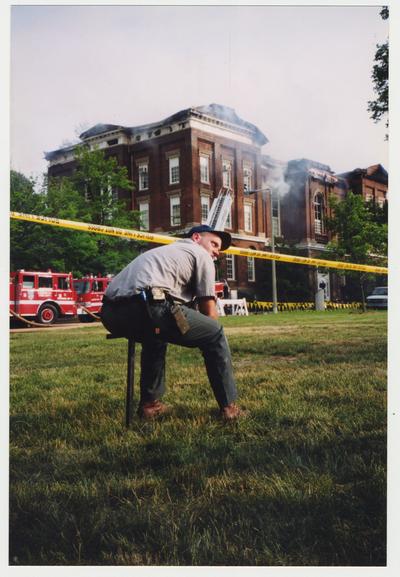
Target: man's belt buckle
point(157, 294)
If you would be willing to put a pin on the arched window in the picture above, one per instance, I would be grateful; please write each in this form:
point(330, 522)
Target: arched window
point(319, 214)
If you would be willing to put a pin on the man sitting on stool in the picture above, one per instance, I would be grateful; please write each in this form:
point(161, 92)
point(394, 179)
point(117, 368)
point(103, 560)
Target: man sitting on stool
point(151, 299)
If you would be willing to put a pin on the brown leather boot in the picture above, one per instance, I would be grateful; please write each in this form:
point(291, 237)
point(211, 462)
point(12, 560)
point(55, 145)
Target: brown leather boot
point(152, 409)
point(231, 412)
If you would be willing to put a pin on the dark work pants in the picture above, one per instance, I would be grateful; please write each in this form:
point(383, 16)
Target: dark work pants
point(127, 318)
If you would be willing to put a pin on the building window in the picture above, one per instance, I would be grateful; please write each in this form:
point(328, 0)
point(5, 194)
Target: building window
point(251, 270)
point(247, 179)
point(230, 266)
point(173, 169)
point(144, 215)
point(227, 173)
point(248, 218)
point(276, 220)
point(204, 169)
point(369, 193)
point(205, 208)
point(319, 213)
point(175, 210)
point(143, 176)
point(228, 223)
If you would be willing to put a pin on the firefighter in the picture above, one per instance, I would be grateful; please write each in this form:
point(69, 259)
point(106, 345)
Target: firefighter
point(152, 299)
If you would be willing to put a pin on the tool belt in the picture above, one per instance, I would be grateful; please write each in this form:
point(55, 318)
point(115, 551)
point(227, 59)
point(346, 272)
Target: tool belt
point(151, 296)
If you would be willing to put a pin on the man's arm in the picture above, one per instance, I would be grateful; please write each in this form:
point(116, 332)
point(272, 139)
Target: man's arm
point(208, 307)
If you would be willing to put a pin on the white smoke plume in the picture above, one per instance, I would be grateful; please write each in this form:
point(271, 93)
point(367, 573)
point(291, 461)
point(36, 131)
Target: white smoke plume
point(276, 178)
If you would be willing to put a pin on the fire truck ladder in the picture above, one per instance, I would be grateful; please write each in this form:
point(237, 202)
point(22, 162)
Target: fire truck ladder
point(220, 209)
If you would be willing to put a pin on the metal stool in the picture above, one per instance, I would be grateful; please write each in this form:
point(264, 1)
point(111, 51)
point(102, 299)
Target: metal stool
point(130, 376)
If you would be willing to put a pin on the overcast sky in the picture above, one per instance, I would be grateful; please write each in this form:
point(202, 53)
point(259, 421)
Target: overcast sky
point(302, 74)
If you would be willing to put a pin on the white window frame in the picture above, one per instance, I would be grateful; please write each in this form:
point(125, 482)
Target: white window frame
point(204, 169)
point(143, 171)
point(230, 267)
point(276, 214)
point(227, 173)
point(247, 179)
point(175, 210)
point(251, 269)
point(144, 209)
point(174, 169)
point(204, 204)
point(228, 223)
point(248, 217)
point(319, 213)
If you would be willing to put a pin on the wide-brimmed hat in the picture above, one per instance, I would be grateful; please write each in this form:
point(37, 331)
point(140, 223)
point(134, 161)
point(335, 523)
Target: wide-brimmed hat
point(225, 237)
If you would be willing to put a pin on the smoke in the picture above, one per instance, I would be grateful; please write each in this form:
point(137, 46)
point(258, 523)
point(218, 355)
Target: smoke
point(276, 178)
point(220, 111)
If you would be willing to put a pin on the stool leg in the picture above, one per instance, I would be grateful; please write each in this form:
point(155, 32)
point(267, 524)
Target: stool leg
point(130, 381)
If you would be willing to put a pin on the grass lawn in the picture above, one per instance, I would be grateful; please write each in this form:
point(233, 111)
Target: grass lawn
point(301, 481)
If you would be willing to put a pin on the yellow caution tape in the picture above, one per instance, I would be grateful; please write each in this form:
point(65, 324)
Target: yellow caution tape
point(256, 306)
point(164, 239)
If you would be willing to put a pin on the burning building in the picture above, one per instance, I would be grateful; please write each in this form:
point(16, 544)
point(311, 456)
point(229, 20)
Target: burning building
point(371, 183)
point(178, 166)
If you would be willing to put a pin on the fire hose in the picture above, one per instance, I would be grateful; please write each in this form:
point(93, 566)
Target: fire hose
point(34, 324)
point(97, 318)
point(31, 323)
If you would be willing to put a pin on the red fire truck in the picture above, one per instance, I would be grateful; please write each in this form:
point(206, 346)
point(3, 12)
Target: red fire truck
point(89, 291)
point(47, 296)
point(43, 296)
point(219, 289)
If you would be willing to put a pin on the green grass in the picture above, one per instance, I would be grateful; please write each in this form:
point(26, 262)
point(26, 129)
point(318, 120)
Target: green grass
point(302, 481)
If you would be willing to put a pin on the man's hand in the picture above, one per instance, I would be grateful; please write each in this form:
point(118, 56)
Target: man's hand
point(208, 307)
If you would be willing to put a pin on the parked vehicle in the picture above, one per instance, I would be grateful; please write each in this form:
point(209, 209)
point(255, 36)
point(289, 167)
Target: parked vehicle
point(47, 296)
point(378, 299)
point(42, 296)
point(90, 290)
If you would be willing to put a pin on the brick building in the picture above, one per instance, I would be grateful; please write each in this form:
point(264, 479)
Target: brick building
point(305, 208)
point(371, 183)
point(178, 166)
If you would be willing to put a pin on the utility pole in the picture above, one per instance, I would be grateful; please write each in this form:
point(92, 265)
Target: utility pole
point(273, 262)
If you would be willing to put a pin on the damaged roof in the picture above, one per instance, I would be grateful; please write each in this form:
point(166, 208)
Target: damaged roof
point(375, 172)
point(217, 111)
point(101, 129)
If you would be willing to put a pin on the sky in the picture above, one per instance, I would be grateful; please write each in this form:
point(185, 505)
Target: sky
point(301, 74)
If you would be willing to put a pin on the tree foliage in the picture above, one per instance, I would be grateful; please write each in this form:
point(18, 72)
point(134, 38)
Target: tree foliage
point(380, 78)
point(360, 236)
point(90, 194)
point(293, 281)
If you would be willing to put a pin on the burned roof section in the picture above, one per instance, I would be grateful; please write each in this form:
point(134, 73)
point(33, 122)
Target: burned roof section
point(375, 172)
point(101, 129)
point(219, 112)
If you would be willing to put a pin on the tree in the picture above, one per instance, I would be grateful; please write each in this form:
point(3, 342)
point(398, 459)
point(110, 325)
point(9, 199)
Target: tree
point(24, 236)
point(88, 195)
point(358, 236)
point(380, 78)
point(293, 281)
point(98, 180)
